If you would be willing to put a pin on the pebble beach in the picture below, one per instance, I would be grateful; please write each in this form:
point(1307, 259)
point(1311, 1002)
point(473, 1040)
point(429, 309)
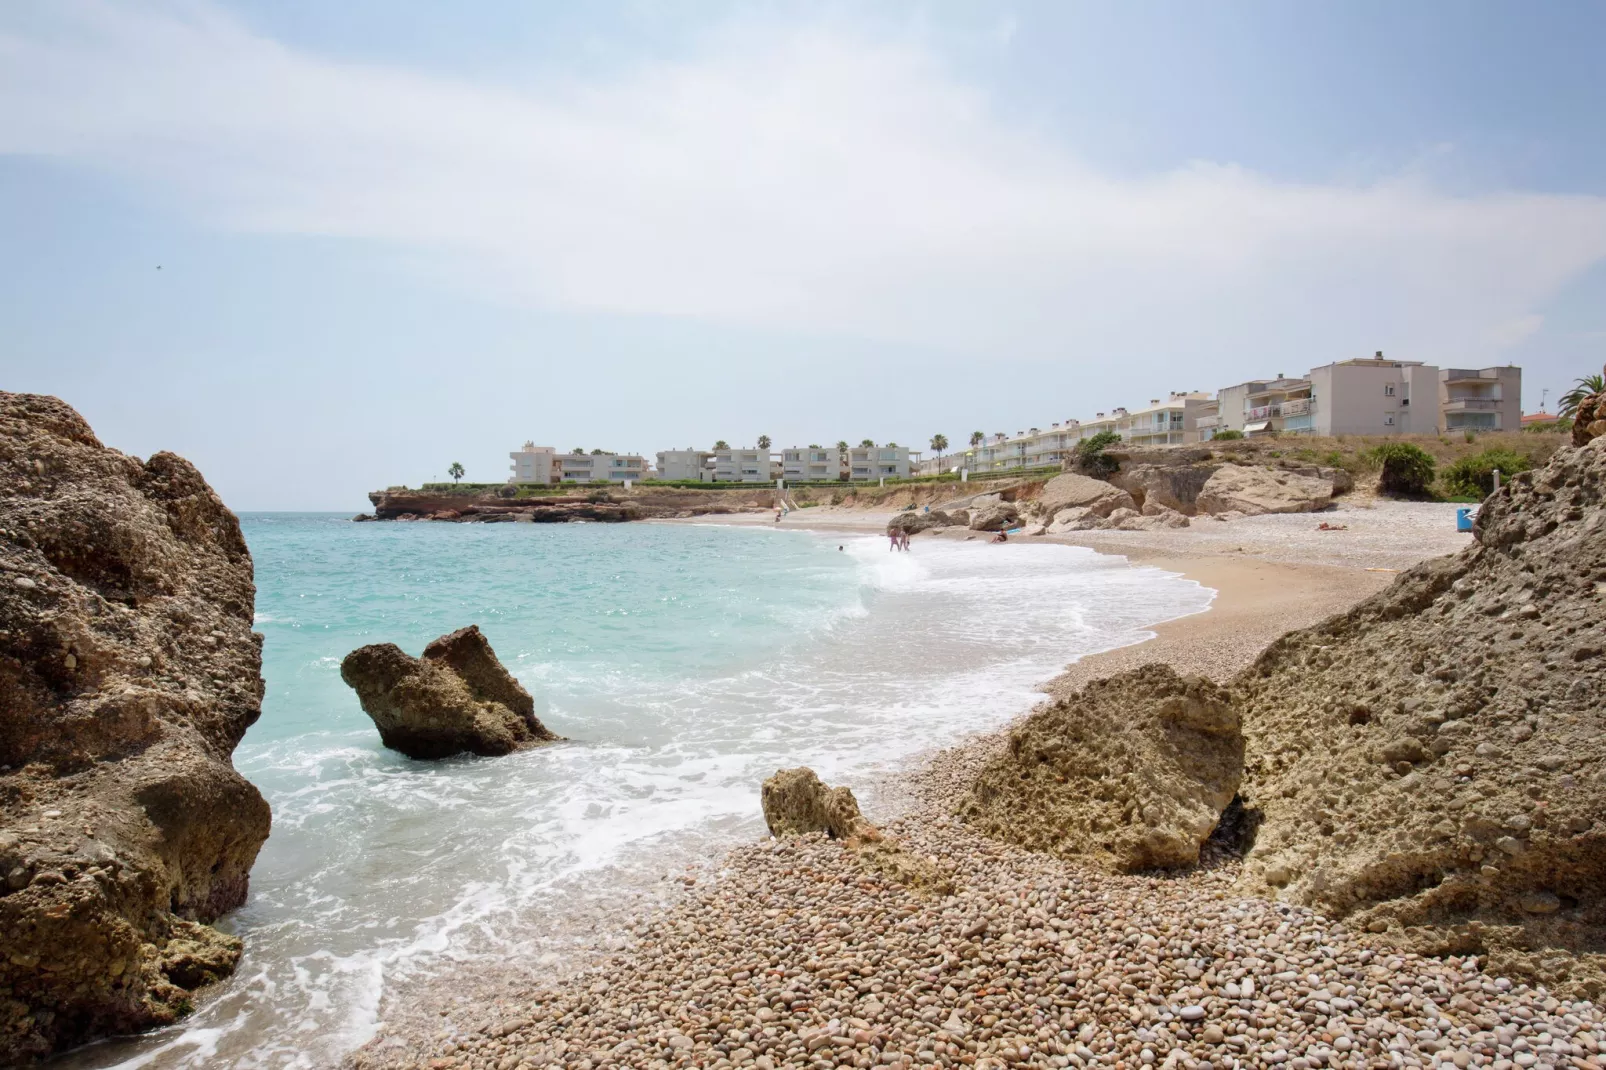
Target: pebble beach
point(802, 952)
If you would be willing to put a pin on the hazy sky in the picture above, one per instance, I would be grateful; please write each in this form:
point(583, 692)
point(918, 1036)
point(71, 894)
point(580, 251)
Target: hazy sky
point(396, 233)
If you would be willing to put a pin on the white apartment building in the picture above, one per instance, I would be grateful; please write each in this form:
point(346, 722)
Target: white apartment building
point(742, 466)
point(531, 464)
point(686, 464)
point(1481, 399)
point(879, 462)
point(1370, 396)
point(598, 467)
point(1173, 422)
point(811, 465)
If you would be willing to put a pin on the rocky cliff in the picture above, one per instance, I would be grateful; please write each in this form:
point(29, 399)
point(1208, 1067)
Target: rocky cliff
point(600, 504)
point(1431, 764)
point(128, 673)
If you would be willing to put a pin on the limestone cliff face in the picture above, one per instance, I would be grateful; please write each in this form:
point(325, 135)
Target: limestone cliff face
point(128, 673)
point(1430, 765)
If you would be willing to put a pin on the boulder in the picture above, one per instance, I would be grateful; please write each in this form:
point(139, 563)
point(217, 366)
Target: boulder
point(457, 698)
point(914, 522)
point(1175, 487)
point(1252, 490)
point(1132, 773)
point(1074, 519)
point(128, 674)
point(797, 802)
point(1075, 491)
point(996, 517)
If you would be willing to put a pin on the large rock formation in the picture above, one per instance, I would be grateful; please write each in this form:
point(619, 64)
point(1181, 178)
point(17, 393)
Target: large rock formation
point(1252, 490)
point(914, 522)
point(1431, 764)
point(1075, 491)
point(1132, 772)
point(458, 697)
point(995, 516)
point(1435, 760)
point(128, 673)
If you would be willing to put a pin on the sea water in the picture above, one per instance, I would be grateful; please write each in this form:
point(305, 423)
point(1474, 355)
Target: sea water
point(683, 663)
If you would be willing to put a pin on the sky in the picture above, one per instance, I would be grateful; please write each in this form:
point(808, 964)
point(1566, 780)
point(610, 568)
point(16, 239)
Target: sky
point(321, 249)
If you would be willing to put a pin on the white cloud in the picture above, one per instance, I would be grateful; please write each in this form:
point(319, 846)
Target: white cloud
point(801, 178)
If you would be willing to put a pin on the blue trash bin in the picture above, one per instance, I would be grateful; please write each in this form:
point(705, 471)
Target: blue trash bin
point(1463, 519)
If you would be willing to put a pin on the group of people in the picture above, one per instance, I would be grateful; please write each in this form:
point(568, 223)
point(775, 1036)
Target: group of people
point(899, 538)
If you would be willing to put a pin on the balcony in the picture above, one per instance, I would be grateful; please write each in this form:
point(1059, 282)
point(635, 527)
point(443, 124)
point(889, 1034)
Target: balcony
point(1263, 412)
point(1471, 404)
point(1297, 407)
point(1461, 375)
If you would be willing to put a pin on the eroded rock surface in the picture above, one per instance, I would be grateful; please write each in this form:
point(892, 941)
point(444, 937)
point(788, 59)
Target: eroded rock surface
point(914, 522)
point(1435, 760)
point(1131, 772)
point(1075, 491)
point(128, 673)
point(796, 803)
point(456, 698)
point(1431, 764)
point(995, 517)
point(1251, 490)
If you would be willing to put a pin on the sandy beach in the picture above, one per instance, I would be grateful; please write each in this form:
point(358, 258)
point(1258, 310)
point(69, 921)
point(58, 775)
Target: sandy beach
point(804, 953)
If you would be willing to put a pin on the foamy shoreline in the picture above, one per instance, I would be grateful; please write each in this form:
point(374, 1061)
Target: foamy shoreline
point(1256, 601)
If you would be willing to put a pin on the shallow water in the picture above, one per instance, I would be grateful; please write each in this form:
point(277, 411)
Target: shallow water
point(685, 664)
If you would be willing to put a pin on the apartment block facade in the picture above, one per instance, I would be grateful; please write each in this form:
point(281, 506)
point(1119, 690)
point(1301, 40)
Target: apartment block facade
point(1480, 399)
point(742, 466)
point(878, 462)
point(687, 464)
point(543, 464)
point(812, 464)
point(1375, 396)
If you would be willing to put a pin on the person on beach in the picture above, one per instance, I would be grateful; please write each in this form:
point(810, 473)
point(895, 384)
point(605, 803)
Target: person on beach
point(1002, 536)
point(892, 537)
point(778, 513)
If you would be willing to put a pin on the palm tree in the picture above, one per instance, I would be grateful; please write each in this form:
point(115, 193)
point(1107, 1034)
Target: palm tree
point(939, 443)
point(1585, 387)
point(577, 450)
point(866, 444)
point(842, 444)
point(763, 442)
point(976, 439)
point(455, 471)
point(722, 445)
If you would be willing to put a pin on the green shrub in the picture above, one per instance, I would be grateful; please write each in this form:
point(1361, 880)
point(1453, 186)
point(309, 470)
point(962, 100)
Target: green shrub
point(1475, 474)
point(1091, 458)
point(1225, 436)
point(1404, 468)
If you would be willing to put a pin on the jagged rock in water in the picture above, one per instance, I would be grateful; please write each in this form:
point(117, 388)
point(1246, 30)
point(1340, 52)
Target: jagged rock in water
point(1131, 772)
point(458, 697)
point(1434, 761)
point(128, 673)
point(796, 801)
point(1252, 490)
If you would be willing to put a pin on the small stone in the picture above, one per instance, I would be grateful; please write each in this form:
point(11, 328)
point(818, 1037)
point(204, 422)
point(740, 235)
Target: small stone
point(1212, 1035)
point(1510, 845)
point(1191, 1013)
point(25, 583)
point(1540, 903)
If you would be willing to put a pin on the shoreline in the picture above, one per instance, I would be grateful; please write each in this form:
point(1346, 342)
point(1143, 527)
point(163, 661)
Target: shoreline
point(1256, 601)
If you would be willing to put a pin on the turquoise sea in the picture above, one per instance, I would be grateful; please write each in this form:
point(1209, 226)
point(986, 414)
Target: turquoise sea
point(685, 663)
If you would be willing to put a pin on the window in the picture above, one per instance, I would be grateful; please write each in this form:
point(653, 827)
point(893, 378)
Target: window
point(1388, 419)
point(1388, 390)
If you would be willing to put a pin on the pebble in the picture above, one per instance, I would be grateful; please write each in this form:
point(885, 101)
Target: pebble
point(25, 583)
point(801, 955)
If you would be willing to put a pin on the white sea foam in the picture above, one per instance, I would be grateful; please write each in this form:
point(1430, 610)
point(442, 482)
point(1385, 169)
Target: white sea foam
point(382, 872)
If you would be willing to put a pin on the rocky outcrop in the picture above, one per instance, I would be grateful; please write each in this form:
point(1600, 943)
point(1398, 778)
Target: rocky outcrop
point(796, 801)
point(1430, 765)
point(1132, 772)
point(457, 698)
point(1075, 491)
point(995, 517)
point(128, 673)
point(1589, 420)
point(1252, 490)
point(608, 506)
point(1175, 487)
point(915, 522)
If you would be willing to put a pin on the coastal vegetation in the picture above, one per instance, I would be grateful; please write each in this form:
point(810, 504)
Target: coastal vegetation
point(455, 471)
point(1584, 387)
point(1403, 468)
point(1474, 476)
